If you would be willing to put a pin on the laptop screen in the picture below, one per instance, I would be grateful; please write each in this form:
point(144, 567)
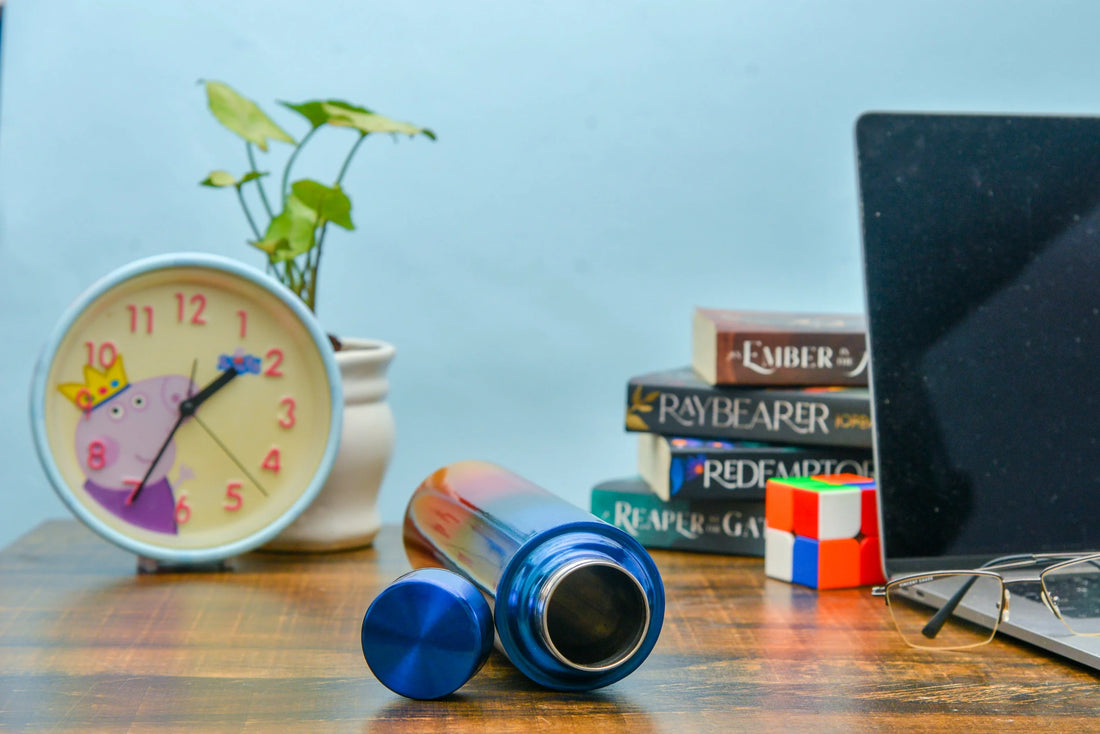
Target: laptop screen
point(981, 238)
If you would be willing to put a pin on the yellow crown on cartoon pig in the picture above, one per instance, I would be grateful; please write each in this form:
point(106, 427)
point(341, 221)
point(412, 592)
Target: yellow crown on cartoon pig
point(98, 386)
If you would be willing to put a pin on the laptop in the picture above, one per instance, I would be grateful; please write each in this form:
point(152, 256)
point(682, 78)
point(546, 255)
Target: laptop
point(981, 255)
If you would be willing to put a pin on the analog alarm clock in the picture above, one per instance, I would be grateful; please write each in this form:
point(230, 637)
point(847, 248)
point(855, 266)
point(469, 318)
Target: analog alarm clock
point(187, 408)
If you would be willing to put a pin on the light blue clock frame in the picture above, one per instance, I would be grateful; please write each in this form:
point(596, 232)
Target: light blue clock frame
point(39, 387)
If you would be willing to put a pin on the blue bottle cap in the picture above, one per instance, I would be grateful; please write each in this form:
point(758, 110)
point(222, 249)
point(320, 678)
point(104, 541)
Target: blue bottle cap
point(427, 633)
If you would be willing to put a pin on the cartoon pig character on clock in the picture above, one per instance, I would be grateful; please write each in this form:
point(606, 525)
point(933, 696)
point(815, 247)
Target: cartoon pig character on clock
point(122, 428)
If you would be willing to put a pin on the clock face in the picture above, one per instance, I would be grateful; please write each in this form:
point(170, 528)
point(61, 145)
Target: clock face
point(187, 408)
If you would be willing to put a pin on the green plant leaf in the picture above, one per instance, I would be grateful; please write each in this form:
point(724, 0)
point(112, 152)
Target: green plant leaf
point(320, 112)
point(243, 116)
point(329, 203)
point(223, 179)
point(313, 111)
point(291, 233)
point(219, 179)
point(342, 114)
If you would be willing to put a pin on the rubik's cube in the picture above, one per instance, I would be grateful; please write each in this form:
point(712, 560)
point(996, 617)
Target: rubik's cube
point(822, 531)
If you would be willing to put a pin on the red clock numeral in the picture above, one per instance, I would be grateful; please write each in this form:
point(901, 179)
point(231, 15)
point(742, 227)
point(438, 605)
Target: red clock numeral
point(134, 321)
point(276, 356)
point(243, 316)
point(183, 510)
point(233, 494)
point(197, 301)
point(272, 462)
point(106, 353)
point(97, 455)
point(84, 400)
point(133, 484)
point(288, 419)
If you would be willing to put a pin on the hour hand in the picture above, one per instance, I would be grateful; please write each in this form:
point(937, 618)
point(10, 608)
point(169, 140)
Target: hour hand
point(191, 404)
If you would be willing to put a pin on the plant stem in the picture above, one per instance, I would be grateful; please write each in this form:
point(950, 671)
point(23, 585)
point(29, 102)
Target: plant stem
point(313, 258)
point(270, 265)
point(248, 214)
point(294, 277)
point(347, 160)
point(290, 162)
point(314, 270)
point(313, 261)
point(263, 194)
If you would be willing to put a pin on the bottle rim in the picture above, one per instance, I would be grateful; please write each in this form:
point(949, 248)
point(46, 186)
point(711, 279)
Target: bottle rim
point(629, 639)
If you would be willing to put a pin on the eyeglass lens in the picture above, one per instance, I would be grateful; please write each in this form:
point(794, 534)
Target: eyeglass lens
point(1074, 590)
point(914, 605)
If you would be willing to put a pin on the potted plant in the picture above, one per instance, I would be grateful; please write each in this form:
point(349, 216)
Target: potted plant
point(289, 225)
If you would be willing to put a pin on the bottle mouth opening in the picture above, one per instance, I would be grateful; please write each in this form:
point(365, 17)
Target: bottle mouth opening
point(595, 615)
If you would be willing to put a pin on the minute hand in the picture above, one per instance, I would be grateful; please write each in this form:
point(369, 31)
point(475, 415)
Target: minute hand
point(187, 409)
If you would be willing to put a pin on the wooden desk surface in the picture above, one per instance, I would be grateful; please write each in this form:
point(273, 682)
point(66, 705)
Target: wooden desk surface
point(87, 645)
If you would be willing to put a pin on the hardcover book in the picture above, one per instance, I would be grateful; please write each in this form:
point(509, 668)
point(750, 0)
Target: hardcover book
point(679, 403)
point(729, 526)
point(776, 348)
point(676, 467)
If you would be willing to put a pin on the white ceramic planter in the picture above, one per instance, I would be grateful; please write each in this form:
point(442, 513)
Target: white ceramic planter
point(345, 513)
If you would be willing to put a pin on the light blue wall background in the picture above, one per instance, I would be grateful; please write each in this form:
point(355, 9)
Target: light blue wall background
point(601, 168)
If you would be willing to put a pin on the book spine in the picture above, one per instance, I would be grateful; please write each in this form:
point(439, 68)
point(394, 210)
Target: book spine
point(790, 359)
point(733, 527)
point(819, 418)
point(711, 473)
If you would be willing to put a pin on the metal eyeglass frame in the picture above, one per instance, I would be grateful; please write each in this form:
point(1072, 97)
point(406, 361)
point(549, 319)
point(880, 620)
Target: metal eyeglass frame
point(989, 569)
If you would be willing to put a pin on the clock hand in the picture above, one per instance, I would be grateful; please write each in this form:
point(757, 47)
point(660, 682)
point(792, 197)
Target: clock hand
point(191, 404)
point(164, 446)
point(187, 409)
point(231, 456)
point(156, 459)
point(191, 384)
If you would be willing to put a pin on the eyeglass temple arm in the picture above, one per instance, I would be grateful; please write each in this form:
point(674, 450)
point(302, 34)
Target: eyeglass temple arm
point(938, 620)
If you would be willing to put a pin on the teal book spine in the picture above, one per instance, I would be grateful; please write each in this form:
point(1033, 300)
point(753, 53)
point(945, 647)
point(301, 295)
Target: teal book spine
point(731, 527)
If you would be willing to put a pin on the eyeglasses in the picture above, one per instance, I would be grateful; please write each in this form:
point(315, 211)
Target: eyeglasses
point(928, 610)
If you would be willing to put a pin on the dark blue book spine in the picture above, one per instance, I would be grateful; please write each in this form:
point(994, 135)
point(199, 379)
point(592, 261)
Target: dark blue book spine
point(677, 467)
point(678, 403)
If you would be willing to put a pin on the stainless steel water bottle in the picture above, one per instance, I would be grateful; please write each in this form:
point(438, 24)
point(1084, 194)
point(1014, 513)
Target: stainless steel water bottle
point(578, 603)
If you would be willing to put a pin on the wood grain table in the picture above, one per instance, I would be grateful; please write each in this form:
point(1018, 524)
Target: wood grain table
point(87, 645)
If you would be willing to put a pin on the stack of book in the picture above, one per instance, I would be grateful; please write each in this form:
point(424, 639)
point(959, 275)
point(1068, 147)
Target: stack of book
point(767, 395)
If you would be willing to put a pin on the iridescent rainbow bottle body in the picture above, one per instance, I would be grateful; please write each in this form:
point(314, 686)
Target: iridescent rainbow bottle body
point(578, 602)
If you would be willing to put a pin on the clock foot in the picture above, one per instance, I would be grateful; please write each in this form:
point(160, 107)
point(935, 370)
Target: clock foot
point(152, 565)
